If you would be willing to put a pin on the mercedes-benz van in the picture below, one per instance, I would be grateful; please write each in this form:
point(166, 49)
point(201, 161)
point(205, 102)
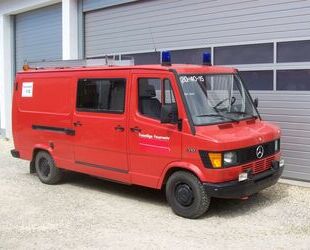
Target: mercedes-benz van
point(192, 130)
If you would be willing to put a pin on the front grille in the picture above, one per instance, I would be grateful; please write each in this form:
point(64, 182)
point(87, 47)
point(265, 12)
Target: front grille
point(260, 165)
point(249, 154)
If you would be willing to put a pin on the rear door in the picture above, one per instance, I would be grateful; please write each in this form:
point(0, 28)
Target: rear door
point(152, 145)
point(101, 127)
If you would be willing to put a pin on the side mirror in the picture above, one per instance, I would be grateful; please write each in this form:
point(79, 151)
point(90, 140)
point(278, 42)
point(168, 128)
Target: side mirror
point(169, 114)
point(256, 102)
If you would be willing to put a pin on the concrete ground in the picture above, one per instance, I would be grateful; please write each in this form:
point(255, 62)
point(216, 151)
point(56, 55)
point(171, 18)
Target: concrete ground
point(85, 212)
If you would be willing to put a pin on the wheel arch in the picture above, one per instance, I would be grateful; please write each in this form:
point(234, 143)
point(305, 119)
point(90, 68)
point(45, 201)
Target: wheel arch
point(180, 166)
point(35, 151)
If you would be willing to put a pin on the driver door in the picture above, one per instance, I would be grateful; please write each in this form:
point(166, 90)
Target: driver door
point(152, 145)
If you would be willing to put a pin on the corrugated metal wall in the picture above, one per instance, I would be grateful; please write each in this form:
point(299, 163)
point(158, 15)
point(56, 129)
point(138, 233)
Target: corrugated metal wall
point(179, 23)
point(291, 111)
point(38, 35)
point(97, 4)
point(173, 24)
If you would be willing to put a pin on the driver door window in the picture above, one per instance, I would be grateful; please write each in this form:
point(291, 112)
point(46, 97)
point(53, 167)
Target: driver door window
point(153, 92)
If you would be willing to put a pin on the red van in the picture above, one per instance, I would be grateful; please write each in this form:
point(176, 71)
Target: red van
point(193, 130)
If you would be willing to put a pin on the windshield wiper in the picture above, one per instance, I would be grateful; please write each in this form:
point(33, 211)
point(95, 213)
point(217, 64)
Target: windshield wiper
point(217, 115)
point(242, 113)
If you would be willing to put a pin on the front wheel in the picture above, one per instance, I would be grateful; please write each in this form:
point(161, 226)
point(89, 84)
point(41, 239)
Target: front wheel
point(45, 167)
point(186, 195)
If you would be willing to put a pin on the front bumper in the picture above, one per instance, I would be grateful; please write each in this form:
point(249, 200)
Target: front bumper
point(239, 189)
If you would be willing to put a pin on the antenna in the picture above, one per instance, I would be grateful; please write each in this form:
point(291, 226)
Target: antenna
point(153, 41)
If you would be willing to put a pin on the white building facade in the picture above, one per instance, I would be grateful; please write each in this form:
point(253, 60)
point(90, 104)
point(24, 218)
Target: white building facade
point(268, 41)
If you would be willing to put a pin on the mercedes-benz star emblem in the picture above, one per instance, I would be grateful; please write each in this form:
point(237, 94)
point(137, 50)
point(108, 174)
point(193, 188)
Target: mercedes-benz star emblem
point(259, 151)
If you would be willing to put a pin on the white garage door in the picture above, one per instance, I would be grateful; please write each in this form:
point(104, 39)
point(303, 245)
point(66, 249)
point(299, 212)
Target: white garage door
point(38, 35)
point(291, 111)
point(165, 24)
point(279, 66)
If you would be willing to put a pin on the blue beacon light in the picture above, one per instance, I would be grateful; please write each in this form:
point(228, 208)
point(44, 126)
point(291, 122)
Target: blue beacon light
point(206, 59)
point(166, 58)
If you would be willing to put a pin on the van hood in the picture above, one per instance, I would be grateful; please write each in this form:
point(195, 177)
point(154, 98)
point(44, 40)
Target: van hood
point(230, 136)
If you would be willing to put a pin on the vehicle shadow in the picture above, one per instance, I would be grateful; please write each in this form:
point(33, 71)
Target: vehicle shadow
point(114, 188)
point(228, 208)
point(231, 208)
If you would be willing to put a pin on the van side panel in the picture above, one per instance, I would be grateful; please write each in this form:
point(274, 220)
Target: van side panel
point(42, 116)
point(100, 148)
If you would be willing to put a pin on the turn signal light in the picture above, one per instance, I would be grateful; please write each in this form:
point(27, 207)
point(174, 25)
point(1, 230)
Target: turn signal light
point(216, 159)
point(26, 67)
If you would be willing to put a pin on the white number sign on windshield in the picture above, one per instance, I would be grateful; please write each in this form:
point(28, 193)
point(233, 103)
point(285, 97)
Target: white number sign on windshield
point(191, 78)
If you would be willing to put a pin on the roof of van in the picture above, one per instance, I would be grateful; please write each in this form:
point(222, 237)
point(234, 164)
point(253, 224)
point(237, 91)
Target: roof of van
point(180, 68)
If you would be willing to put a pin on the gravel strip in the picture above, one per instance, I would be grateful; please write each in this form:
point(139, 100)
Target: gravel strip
point(85, 212)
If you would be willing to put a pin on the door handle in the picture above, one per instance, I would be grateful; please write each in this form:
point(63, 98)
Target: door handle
point(77, 124)
point(119, 128)
point(135, 129)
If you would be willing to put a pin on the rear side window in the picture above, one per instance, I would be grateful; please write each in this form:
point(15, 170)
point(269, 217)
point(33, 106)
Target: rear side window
point(101, 95)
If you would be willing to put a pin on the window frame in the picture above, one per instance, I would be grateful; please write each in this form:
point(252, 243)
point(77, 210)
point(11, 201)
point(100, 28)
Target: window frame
point(161, 97)
point(279, 71)
point(162, 92)
point(238, 51)
point(246, 83)
point(287, 49)
point(88, 110)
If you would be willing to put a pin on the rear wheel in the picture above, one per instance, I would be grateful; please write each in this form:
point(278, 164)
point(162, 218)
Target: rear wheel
point(45, 167)
point(186, 195)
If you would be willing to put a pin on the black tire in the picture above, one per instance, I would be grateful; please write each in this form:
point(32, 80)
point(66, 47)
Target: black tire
point(47, 172)
point(186, 195)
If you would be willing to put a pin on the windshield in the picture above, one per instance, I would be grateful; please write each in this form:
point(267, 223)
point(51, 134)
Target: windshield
point(216, 98)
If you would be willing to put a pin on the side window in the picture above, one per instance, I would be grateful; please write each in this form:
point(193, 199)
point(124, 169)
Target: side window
point(101, 95)
point(152, 94)
point(169, 95)
point(150, 98)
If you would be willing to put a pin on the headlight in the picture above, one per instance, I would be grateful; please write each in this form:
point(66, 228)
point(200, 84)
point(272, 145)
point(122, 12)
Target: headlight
point(230, 158)
point(277, 145)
